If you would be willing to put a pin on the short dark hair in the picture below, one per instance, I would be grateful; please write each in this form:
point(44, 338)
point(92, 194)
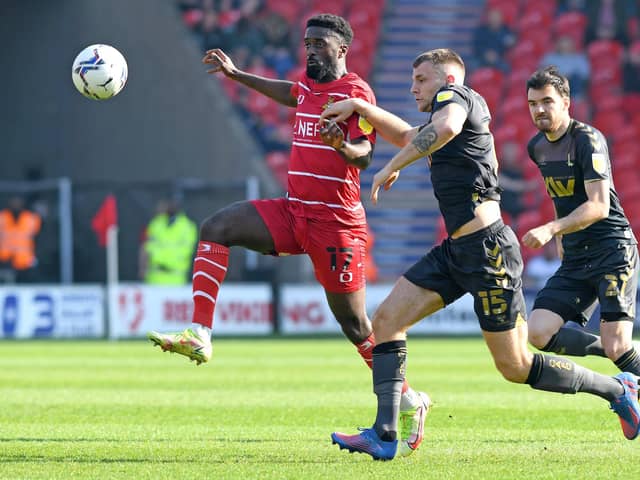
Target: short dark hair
point(549, 76)
point(335, 23)
point(438, 57)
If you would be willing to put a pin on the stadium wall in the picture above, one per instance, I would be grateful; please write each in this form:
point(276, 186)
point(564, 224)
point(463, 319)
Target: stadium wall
point(171, 120)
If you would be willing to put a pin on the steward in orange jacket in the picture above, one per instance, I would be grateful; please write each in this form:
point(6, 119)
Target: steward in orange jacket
point(18, 228)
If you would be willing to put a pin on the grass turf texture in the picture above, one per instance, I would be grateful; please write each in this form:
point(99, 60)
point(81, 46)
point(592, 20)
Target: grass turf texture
point(264, 409)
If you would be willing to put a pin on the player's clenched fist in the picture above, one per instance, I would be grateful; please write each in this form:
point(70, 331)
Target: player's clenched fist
point(331, 134)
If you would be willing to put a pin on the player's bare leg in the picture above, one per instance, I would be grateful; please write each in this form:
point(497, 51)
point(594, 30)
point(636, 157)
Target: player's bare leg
point(238, 224)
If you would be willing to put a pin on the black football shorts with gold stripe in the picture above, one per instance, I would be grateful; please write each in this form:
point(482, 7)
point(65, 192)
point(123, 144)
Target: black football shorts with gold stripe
point(488, 265)
point(606, 271)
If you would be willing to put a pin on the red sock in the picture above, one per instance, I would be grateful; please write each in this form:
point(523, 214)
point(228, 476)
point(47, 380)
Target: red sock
point(365, 349)
point(209, 270)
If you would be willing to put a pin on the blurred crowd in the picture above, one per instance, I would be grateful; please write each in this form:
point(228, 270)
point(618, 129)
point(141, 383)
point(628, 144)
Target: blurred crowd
point(264, 37)
point(596, 44)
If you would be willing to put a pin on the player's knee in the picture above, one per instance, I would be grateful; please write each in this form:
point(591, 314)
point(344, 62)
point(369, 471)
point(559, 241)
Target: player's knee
point(539, 338)
point(215, 229)
point(539, 333)
point(355, 328)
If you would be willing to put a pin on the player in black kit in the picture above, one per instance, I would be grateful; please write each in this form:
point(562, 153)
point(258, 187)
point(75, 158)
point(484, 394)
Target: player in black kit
point(480, 256)
point(599, 251)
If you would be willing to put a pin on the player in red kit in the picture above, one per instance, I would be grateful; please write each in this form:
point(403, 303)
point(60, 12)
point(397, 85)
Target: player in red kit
point(321, 215)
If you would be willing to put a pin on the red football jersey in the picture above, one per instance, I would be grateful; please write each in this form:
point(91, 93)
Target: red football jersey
point(320, 183)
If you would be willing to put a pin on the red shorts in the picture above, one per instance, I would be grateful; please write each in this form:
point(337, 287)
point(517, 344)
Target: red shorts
point(337, 251)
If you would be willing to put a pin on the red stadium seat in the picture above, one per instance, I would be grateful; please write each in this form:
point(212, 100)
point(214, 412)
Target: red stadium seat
point(516, 81)
point(609, 122)
point(492, 96)
point(604, 52)
point(485, 76)
point(547, 8)
point(536, 19)
point(278, 162)
point(609, 77)
point(625, 135)
point(509, 9)
point(505, 133)
point(525, 55)
point(572, 24)
point(290, 11)
point(624, 160)
point(514, 110)
point(609, 102)
point(336, 7)
point(580, 109)
point(631, 104)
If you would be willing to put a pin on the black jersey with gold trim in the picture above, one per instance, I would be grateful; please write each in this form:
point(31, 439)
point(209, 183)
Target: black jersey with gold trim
point(464, 172)
point(580, 156)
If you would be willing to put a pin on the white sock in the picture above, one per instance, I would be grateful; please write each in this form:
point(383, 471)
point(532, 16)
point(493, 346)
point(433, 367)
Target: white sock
point(201, 330)
point(409, 400)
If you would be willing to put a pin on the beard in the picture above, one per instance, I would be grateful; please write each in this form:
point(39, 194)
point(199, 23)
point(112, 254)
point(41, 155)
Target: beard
point(317, 71)
point(544, 125)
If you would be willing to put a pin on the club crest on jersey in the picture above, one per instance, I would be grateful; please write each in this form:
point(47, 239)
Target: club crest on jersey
point(443, 96)
point(330, 101)
point(599, 163)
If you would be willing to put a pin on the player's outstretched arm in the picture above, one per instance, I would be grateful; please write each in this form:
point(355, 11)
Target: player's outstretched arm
point(444, 126)
point(391, 127)
point(278, 90)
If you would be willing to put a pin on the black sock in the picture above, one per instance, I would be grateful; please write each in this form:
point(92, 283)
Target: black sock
point(389, 360)
point(557, 374)
point(575, 342)
point(629, 362)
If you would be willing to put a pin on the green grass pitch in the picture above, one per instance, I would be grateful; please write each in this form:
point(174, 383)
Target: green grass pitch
point(264, 409)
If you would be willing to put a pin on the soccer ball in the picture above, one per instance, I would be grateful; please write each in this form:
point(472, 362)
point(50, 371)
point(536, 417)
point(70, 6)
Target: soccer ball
point(99, 72)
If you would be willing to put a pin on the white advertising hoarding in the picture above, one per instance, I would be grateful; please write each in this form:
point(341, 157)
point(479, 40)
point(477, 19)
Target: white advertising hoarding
point(134, 309)
point(304, 310)
point(49, 311)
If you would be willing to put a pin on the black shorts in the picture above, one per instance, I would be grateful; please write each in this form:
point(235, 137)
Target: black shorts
point(487, 264)
point(609, 276)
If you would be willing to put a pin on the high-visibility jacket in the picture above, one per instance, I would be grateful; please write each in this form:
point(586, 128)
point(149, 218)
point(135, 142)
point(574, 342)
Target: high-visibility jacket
point(170, 248)
point(17, 245)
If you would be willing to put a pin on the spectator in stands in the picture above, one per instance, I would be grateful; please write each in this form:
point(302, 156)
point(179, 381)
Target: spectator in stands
point(246, 34)
point(599, 250)
point(631, 69)
point(210, 32)
point(512, 180)
point(167, 251)
point(541, 267)
point(607, 20)
point(481, 255)
point(322, 216)
point(19, 227)
point(573, 64)
point(491, 40)
point(276, 30)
